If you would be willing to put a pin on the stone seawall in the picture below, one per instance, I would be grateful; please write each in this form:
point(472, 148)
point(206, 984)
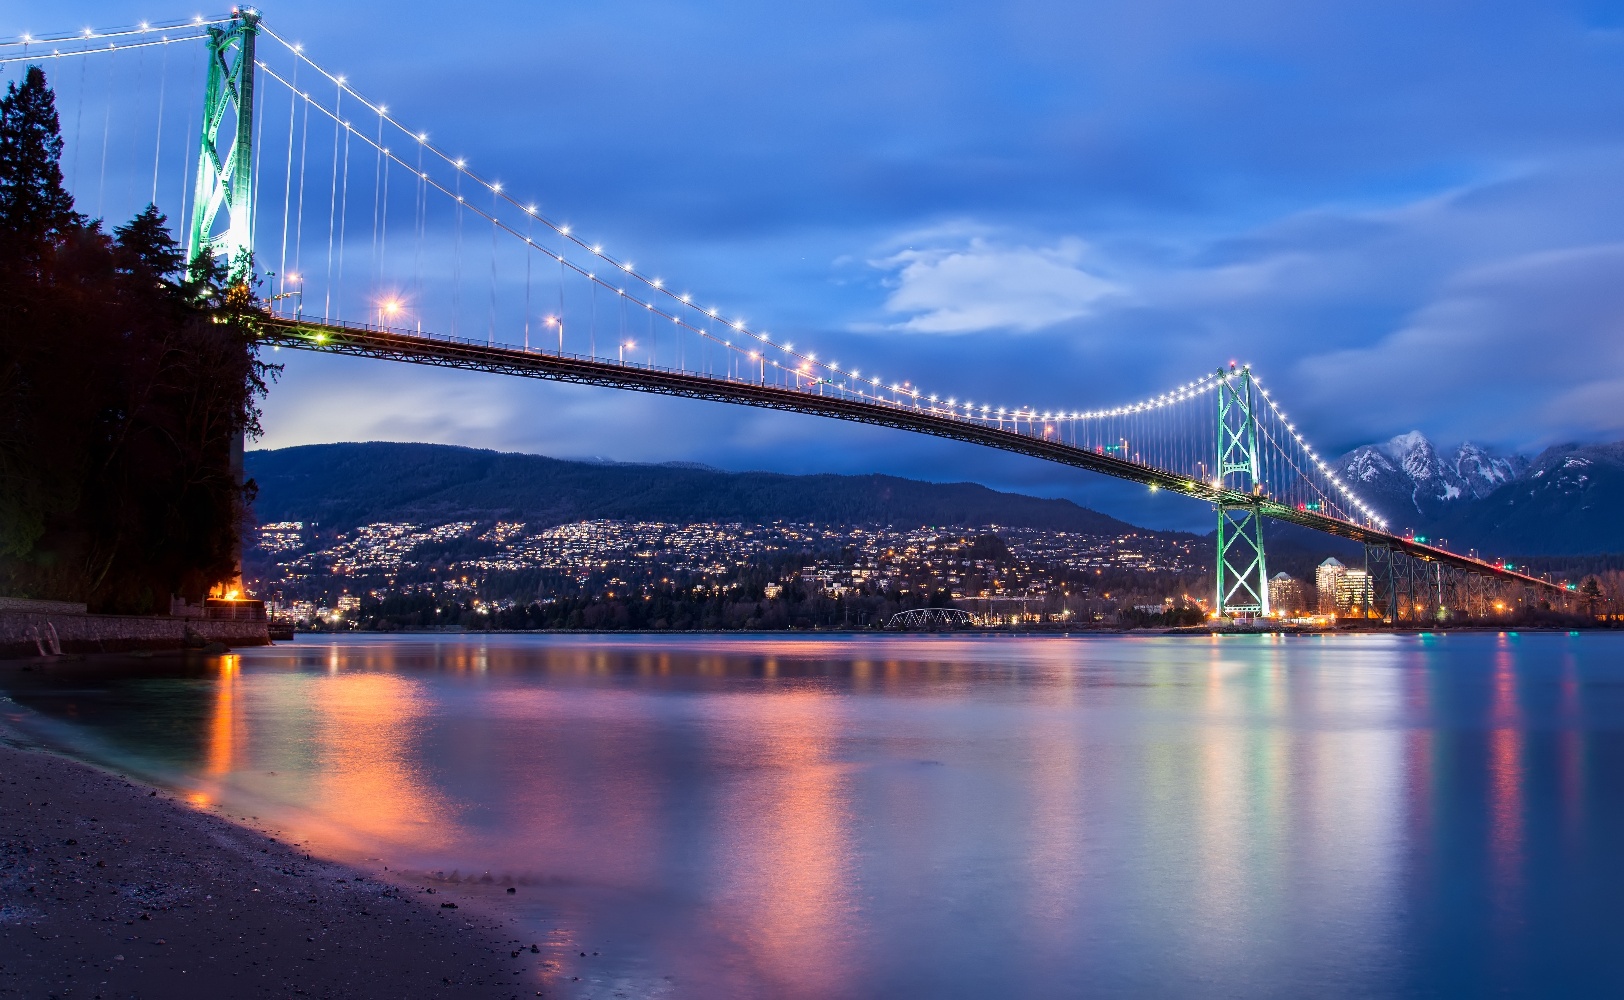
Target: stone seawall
point(120, 633)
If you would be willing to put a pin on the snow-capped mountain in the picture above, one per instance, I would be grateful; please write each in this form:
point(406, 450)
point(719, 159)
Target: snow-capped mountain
point(1569, 500)
point(1408, 479)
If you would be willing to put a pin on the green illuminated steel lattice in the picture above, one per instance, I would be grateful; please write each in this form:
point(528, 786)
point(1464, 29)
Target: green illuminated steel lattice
point(226, 180)
point(1243, 576)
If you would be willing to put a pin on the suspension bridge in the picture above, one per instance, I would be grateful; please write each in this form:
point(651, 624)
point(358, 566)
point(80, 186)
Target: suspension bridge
point(370, 240)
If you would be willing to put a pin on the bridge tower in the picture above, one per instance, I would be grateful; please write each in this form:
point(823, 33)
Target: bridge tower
point(1243, 576)
point(225, 178)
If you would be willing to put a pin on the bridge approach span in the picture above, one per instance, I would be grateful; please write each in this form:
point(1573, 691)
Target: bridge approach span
point(445, 352)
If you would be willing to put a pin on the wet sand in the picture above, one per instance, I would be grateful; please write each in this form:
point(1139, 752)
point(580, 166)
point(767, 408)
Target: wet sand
point(110, 889)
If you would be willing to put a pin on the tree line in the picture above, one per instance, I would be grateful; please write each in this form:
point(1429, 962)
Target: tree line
point(128, 378)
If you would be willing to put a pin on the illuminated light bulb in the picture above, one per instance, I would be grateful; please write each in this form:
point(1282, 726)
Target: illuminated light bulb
point(685, 297)
point(341, 80)
point(598, 250)
point(461, 163)
point(497, 186)
point(145, 26)
point(564, 230)
point(656, 282)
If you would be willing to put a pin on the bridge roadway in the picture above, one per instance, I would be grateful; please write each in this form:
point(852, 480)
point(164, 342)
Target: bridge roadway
point(445, 352)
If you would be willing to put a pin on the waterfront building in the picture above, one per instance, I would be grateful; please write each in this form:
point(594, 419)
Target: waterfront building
point(1327, 578)
point(1353, 593)
point(1286, 595)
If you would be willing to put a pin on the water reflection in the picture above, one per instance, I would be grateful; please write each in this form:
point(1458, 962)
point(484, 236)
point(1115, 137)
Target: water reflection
point(944, 817)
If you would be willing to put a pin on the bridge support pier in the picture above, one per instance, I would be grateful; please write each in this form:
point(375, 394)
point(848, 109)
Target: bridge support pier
point(1407, 589)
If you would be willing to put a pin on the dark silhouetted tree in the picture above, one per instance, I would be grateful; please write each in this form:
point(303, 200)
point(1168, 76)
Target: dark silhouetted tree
point(126, 382)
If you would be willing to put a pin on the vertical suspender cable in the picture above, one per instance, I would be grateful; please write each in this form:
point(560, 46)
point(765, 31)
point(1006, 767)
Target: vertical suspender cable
point(490, 334)
point(419, 210)
point(78, 122)
point(259, 157)
point(107, 127)
point(135, 134)
point(529, 240)
point(332, 208)
point(383, 231)
point(377, 193)
point(456, 267)
point(186, 174)
point(298, 223)
point(343, 216)
point(287, 181)
point(158, 145)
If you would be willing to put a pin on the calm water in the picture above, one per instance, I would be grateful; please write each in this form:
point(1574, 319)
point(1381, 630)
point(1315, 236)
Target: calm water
point(939, 817)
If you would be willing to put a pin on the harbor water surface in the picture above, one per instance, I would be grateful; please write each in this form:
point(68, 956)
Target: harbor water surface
point(1239, 816)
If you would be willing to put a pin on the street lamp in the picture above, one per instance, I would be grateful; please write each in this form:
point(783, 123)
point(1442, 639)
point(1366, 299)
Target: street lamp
point(623, 350)
point(388, 309)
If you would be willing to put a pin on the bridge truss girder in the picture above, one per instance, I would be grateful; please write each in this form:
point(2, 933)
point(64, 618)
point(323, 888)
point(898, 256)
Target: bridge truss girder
point(931, 619)
point(1405, 588)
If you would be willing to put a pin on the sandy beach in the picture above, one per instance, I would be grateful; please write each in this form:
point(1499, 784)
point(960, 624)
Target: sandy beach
point(112, 889)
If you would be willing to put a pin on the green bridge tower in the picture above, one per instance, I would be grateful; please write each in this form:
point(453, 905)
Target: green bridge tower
point(225, 178)
point(1243, 578)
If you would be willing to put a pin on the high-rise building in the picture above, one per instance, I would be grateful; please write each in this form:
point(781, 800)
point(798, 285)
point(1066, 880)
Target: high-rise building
point(1286, 595)
point(1353, 593)
point(1326, 579)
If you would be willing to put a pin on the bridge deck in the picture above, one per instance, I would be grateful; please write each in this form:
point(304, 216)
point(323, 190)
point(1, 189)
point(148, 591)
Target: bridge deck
point(371, 342)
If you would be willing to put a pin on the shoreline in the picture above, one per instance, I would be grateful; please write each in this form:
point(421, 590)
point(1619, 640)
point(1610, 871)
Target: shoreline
point(109, 887)
point(1057, 633)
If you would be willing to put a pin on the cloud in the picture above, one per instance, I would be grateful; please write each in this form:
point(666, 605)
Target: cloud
point(1510, 350)
point(979, 285)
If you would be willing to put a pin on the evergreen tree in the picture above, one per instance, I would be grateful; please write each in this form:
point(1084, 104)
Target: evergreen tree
point(34, 206)
point(126, 383)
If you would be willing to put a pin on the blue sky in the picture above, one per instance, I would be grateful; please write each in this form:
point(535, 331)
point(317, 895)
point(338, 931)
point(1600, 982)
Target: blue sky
point(1404, 215)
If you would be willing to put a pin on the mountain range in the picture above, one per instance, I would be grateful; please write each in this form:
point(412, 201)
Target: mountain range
point(340, 486)
point(1567, 500)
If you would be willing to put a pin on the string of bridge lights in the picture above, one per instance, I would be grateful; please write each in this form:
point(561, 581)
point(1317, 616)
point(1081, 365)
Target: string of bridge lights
point(60, 53)
point(90, 34)
point(1324, 468)
point(854, 379)
point(854, 382)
